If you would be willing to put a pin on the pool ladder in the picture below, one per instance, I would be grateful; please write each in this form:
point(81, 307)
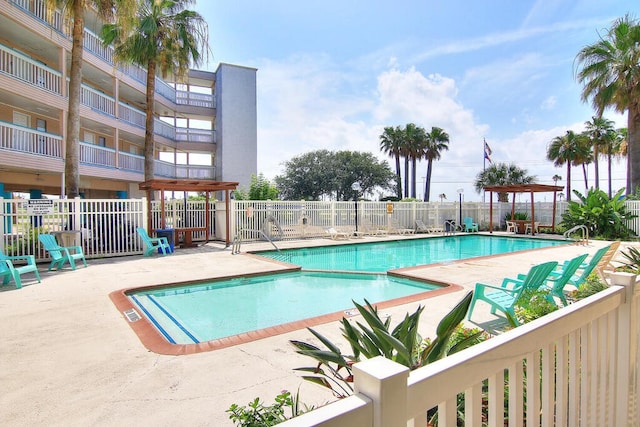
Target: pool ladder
point(584, 234)
point(237, 240)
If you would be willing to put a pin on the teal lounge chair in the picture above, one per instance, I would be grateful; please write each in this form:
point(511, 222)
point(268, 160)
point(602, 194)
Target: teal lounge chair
point(585, 269)
point(10, 271)
point(469, 225)
point(61, 254)
point(560, 278)
point(152, 244)
point(505, 296)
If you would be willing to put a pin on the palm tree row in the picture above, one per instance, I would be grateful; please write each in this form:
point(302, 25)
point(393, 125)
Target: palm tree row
point(413, 143)
point(610, 72)
point(600, 138)
point(151, 33)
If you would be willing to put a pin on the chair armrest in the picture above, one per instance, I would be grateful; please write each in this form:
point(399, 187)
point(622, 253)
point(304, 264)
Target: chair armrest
point(497, 288)
point(518, 281)
point(29, 258)
point(75, 249)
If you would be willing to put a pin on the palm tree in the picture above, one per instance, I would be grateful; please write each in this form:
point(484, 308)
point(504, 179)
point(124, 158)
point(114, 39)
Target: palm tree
point(555, 178)
point(502, 174)
point(566, 149)
point(108, 10)
point(415, 138)
point(610, 72)
point(166, 37)
point(437, 141)
point(391, 144)
point(601, 133)
point(442, 197)
point(585, 156)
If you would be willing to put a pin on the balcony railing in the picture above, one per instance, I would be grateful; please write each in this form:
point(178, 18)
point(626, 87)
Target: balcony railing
point(21, 67)
point(169, 170)
point(195, 99)
point(98, 101)
point(18, 138)
point(93, 44)
point(164, 129)
point(194, 135)
point(131, 115)
point(131, 162)
point(95, 155)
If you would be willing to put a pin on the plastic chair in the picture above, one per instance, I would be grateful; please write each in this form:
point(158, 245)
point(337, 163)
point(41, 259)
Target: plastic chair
point(584, 270)
point(512, 227)
point(153, 243)
point(61, 254)
point(559, 279)
point(469, 225)
point(505, 296)
point(10, 271)
point(527, 229)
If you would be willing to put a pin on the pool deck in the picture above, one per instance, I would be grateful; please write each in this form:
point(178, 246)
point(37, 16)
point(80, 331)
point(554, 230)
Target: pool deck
point(68, 357)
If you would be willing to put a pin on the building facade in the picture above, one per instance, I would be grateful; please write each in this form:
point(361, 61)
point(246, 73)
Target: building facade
point(205, 126)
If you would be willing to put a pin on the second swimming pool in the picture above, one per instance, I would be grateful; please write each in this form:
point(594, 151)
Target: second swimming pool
point(391, 254)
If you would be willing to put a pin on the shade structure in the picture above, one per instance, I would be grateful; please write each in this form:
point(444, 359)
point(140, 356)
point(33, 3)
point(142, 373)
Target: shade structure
point(207, 187)
point(523, 188)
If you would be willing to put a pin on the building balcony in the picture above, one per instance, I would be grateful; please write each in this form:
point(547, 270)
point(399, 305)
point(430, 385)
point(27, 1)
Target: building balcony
point(36, 143)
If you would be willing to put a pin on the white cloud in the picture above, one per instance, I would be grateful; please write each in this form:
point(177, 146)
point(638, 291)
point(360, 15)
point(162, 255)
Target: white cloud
point(549, 103)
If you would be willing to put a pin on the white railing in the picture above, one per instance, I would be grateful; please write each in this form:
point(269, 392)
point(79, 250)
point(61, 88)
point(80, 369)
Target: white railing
point(132, 162)
point(97, 100)
point(18, 138)
point(38, 8)
point(194, 99)
point(163, 88)
point(96, 155)
point(21, 67)
point(574, 367)
point(105, 227)
point(93, 44)
point(194, 135)
point(164, 129)
point(131, 115)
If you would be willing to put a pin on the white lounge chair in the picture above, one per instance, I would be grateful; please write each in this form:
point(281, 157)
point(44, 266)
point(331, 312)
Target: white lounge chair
point(338, 234)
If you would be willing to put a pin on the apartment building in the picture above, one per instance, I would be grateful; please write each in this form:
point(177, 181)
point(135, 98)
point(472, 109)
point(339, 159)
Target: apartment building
point(205, 127)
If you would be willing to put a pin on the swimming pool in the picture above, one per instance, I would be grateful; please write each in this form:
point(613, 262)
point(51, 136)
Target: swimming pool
point(208, 311)
point(391, 254)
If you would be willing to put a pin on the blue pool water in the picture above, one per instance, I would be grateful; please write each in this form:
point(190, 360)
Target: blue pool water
point(204, 312)
point(391, 254)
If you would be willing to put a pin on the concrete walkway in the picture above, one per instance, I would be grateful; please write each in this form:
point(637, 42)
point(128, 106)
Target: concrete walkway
point(69, 358)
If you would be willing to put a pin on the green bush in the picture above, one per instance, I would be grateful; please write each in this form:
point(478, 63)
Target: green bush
point(533, 304)
point(604, 217)
point(256, 414)
point(592, 285)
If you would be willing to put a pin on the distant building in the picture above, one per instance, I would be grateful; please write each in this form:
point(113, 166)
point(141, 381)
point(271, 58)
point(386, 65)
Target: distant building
point(205, 127)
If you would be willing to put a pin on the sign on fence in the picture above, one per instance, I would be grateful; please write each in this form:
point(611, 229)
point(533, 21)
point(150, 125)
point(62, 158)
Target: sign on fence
point(40, 207)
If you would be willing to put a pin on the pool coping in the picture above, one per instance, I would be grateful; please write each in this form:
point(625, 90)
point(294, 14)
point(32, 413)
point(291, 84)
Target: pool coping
point(154, 341)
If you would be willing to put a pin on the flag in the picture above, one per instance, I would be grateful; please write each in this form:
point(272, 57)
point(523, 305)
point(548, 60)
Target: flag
point(486, 156)
point(487, 151)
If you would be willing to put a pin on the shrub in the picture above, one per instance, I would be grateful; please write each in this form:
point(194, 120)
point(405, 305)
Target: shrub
point(604, 217)
point(533, 304)
point(256, 414)
point(592, 285)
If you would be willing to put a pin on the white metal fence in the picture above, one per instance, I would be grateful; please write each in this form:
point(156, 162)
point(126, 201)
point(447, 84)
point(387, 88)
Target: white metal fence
point(574, 367)
point(107, 227)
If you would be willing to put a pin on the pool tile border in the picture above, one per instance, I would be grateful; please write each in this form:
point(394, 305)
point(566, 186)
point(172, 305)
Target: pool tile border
point(154, 341)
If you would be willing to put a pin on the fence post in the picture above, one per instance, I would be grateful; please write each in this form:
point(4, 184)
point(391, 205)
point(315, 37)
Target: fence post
point(145, 214)
point(627, 352)
point(385, 383)
point(76, 213)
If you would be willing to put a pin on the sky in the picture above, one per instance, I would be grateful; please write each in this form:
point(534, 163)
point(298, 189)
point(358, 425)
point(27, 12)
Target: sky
point(332, 74)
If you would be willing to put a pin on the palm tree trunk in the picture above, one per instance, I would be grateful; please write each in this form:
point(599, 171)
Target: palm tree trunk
point(427, 185)
point(406, 177)
point(413, 177)
point(584, 173)
point(609, 168)
point(72, 146)
point(149, 143)
point(633, 147)
point(596, 155)
point(399, 178)
point(568, 180)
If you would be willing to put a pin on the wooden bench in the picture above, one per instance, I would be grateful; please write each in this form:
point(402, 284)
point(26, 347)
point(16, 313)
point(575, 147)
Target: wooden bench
point(187, 236)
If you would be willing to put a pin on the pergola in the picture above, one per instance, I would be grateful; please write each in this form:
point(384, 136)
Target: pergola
point(523, 188)
point(207, 187)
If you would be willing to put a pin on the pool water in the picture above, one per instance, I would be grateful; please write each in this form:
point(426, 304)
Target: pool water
point(391, 254)
point(217, 309)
